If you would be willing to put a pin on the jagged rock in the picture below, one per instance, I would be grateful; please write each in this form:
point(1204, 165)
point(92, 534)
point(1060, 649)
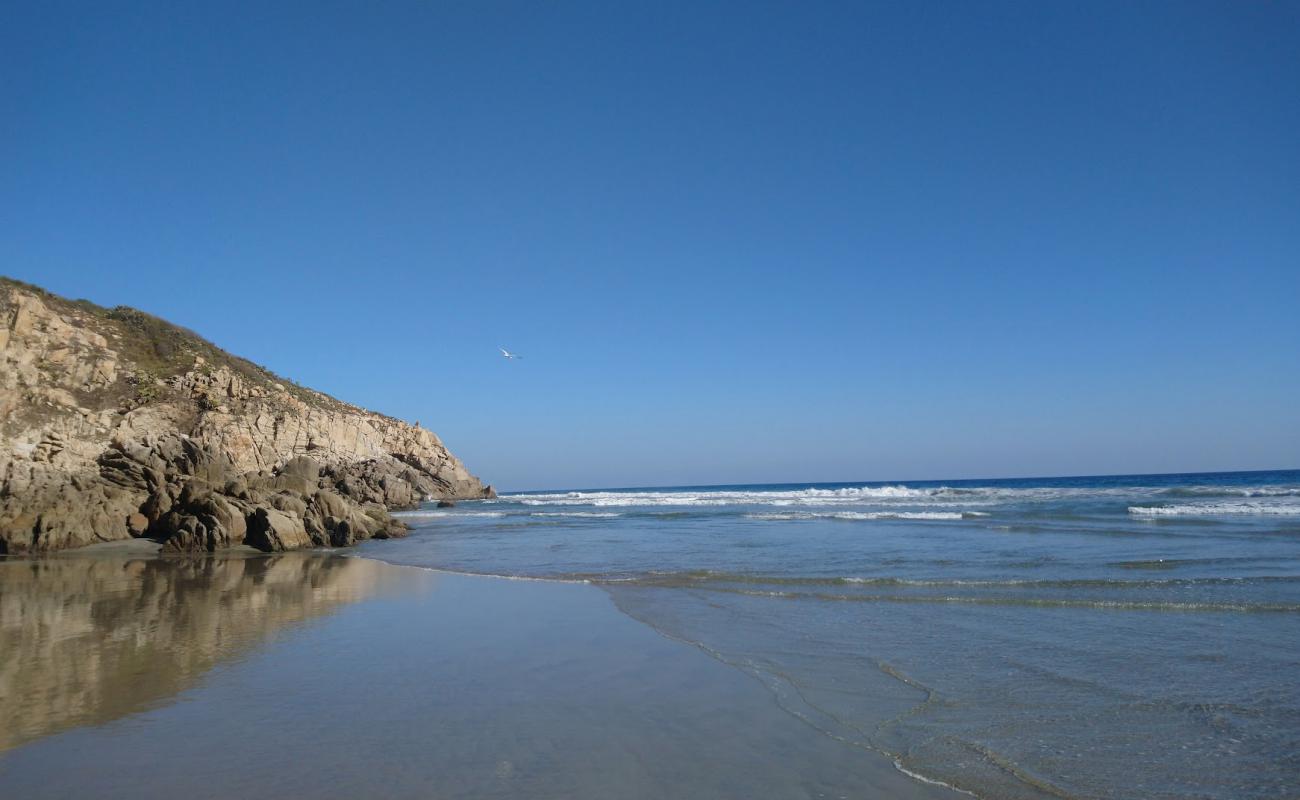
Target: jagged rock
point(392, 529)
point(271, 531)
point(446, 503)
point(184, 533)
point(162, 434)
point(298, 475)
point(137, 524)
point(226, 520)
point(329, 504)
point(159, 502)
point(337, 522)
point(290, 503)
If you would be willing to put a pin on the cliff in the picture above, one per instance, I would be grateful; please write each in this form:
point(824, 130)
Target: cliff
point(117, 424)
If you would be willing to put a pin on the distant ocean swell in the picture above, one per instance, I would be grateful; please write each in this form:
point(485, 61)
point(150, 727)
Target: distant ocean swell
point(946, 497)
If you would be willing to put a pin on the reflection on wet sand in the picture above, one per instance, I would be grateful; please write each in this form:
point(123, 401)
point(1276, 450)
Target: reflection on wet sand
point(86, 640)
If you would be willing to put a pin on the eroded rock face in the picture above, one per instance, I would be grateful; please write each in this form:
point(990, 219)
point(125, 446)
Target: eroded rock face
point(115, 425)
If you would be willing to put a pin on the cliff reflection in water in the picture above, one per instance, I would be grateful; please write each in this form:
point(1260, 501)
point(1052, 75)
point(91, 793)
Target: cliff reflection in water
point(86, 640)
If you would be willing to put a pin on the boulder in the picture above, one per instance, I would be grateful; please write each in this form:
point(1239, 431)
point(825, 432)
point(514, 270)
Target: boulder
point(226, 522)
point(290, 503)
point(330, 504)
point(270, 530)
point(393, 529)
point(137, 524)
point(54, 512)
point(298, 475)
point(184, 533)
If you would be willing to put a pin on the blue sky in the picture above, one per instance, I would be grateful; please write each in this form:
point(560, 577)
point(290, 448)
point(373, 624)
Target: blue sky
point(734, 242)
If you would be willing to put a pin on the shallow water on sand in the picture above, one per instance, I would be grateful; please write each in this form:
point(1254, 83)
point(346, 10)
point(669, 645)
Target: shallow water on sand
point(1130, 636)
point(318, 675)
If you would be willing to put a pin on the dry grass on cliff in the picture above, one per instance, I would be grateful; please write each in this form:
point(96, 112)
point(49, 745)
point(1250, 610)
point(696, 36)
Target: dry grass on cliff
point(157, 348)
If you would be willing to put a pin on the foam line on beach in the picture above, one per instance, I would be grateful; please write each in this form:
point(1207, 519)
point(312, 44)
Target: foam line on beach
point(445, 571)
point(443, 514)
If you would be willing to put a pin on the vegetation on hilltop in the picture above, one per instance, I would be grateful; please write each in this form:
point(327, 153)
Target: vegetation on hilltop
point(158, 349)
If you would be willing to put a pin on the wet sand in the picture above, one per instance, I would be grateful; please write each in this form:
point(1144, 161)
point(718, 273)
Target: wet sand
point(338, 677)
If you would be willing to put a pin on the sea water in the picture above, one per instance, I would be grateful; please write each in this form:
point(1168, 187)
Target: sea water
point(1119, 636)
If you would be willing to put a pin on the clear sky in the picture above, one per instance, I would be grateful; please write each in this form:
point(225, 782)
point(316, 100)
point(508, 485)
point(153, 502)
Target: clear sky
point(734, 242)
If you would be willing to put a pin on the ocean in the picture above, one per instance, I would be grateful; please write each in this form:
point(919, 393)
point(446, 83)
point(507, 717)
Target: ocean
point(1118, 636)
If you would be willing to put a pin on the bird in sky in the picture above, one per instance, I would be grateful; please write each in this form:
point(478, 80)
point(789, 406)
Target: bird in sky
point(507, 354)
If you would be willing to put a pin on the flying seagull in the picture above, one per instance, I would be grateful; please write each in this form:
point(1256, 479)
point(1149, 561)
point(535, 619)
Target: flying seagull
point(507, 354)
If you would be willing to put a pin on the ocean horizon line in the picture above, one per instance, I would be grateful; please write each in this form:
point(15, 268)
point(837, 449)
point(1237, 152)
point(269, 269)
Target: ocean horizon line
point(898, 481)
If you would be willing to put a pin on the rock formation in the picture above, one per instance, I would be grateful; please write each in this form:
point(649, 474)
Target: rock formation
point(116, 424)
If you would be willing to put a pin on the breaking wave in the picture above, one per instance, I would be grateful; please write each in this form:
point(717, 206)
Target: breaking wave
point(866, 495)
point(867, 515)
point(935, 502)
point(439, 514)
point(1217, 509)
point(1232, 491)
point(586, 514)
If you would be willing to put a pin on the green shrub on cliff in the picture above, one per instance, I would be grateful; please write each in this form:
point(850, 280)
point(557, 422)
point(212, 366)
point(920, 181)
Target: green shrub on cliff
point(160, 349)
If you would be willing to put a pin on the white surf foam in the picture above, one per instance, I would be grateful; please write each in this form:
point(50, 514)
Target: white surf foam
point(866, 515)
point(587, 514)
point(1233, 491)
point(868, 499)
point(879, 495)
point(437, 514)
point(1217, 509)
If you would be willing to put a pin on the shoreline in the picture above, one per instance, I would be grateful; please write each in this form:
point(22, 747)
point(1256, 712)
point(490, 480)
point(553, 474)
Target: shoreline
point(1033, 641)
point(952, 652)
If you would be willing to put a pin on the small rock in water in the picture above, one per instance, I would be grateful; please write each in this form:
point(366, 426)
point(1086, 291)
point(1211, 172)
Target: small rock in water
point(446, 504)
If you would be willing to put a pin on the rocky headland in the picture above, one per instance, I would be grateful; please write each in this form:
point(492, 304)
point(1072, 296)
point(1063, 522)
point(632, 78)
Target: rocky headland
point(115, 424)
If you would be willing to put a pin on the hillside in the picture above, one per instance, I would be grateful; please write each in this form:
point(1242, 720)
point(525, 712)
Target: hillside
point(116, 424)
